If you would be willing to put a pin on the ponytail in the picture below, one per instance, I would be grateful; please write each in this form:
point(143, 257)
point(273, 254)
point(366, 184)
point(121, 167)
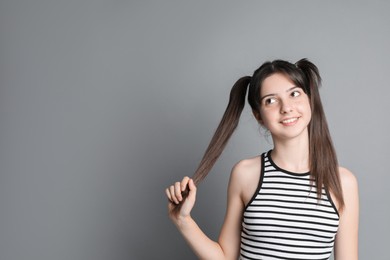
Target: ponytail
point(224, 131)
point(322, 155)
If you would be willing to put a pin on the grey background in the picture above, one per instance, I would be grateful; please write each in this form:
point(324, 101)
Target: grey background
point(105, 103)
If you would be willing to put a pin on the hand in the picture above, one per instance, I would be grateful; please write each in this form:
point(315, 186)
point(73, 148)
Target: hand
point(178, 207)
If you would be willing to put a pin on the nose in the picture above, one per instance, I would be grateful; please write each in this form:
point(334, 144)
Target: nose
point(286, 107)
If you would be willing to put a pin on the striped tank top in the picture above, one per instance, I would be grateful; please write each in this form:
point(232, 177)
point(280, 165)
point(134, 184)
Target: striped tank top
point(284, 219)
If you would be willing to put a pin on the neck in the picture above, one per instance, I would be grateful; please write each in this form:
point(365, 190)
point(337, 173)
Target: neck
point(293, 154)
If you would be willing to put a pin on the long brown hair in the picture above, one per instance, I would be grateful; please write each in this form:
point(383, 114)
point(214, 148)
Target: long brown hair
point(322, 155)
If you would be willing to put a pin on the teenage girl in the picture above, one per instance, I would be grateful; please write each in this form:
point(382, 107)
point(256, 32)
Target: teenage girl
point(292, 202)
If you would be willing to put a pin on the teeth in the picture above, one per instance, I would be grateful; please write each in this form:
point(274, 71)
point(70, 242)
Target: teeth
point(287, 121)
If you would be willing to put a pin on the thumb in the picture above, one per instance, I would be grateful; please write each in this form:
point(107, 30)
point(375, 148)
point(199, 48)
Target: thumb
point(192, 187)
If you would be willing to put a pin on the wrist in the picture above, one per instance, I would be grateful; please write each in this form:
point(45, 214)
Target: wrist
point(183, 221)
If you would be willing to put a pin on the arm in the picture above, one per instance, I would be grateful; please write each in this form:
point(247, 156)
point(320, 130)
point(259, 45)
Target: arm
point(346, 244)
point(228, 243)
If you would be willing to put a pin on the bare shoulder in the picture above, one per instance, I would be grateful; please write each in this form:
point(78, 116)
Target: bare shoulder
point(244, 169)
point(348, 179)
point(247, 164)
point(349, 186)
point(245, 177)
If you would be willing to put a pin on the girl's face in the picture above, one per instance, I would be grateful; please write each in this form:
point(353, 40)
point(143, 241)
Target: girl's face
point(285, 108)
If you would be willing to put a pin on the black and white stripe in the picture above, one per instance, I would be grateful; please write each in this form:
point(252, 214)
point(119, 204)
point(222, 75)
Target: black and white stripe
point(285, 220)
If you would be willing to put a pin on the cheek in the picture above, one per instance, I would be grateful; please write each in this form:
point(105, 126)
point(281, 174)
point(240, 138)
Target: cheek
point(305, 108)
point(303, 104)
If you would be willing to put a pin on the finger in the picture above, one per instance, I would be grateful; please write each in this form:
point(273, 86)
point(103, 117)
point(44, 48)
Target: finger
point(168, 194)
point(192, 188)
point(178, 191)
point(191, 185)
point(184, 183)
point(172, 191)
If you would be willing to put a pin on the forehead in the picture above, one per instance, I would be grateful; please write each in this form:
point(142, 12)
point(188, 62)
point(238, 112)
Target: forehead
point(276, 83)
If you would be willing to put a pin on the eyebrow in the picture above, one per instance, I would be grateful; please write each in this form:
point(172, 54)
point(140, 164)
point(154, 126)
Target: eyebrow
point(272, 94)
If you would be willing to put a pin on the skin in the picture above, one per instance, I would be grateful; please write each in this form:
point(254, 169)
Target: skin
point(280, 101)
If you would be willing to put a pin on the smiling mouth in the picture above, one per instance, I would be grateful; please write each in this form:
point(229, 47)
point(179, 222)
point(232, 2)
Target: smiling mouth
point(290, 121)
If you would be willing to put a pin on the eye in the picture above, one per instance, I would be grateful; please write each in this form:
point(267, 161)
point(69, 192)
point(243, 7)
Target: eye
point(270, 101)
point(295, 93)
